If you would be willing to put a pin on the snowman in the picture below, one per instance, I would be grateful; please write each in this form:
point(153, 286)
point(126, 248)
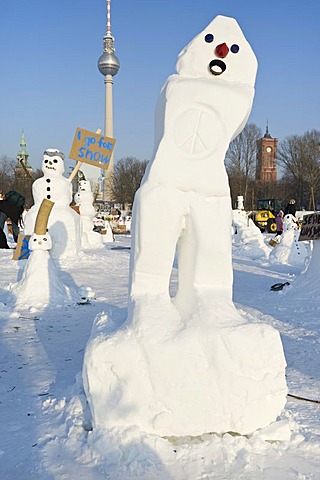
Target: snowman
point(225, 373)
point(84, 199)
point(289, 251)
point(289, 223)
point(40, 284)
point(64, 223)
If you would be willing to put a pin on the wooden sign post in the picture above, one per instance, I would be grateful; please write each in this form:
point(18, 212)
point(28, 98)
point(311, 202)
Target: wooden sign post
point(22, 251)
point(92, 148)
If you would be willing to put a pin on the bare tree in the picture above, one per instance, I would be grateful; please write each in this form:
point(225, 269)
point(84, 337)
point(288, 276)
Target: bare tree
point(22, 182)
point(128, 173)
point(6, 173)
point(311, 157)
point(241, 161)
point(300, 158)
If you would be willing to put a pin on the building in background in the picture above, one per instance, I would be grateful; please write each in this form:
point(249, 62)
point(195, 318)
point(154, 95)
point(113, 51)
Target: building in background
point(23, 173)
point(23, 170)
point(266, 158)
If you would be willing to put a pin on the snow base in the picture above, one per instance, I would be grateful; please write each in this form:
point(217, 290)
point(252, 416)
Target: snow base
point(173, 379)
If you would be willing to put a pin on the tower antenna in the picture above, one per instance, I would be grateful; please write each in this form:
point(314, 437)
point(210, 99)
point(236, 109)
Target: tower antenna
point(108, 65)
point(109, 18)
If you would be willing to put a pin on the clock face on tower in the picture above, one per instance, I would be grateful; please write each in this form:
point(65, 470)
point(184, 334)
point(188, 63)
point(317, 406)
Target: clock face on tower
point(268, 149)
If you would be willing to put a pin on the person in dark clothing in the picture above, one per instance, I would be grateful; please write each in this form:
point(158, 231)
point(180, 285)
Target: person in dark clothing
point(9, 210)
point(291, 208)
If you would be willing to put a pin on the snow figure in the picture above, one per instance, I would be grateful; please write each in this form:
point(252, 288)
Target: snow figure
point(128, 223)
point(40, 284)
point(193, 363)
point(289, 223)
point(248, 239)
point(240, 205)
point(289, 251)
point(84, 199)
point(109, 236)
point(64, 223)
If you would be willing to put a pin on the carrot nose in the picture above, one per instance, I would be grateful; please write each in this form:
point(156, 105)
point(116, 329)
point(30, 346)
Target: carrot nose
point(222, 50)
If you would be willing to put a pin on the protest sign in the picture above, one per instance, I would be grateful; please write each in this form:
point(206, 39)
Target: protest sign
point(92, 148)
point(310, 228)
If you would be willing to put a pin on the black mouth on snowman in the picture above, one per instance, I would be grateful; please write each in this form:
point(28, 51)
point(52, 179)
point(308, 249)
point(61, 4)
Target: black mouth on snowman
point(217, 67)
point(50, 168)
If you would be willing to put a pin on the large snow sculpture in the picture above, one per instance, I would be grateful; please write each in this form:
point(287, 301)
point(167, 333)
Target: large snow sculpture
point(40, 284)
point(192, 364)
point(84, 199)
point(64, 223)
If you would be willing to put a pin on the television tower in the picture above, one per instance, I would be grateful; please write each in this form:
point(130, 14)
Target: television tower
point(108, 65)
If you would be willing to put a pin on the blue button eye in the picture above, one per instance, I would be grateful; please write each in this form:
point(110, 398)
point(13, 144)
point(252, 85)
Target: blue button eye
point(235, 48)
point(209, 38)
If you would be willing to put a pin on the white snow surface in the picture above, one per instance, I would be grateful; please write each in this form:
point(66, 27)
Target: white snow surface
point(248, 238)
point(45, 423)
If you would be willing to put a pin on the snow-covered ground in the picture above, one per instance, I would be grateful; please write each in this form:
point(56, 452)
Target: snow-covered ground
point(45, 426)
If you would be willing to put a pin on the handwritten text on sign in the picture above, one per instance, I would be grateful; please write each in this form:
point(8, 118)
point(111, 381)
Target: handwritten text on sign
point(92, 148)
point(310, 228)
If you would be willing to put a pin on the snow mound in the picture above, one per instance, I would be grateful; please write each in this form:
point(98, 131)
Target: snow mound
point(248, 239)
point(40, 284)
point(154, 375)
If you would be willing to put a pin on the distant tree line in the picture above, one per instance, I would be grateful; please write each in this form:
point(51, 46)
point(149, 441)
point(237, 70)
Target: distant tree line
point(298, 158)
point(126, 180)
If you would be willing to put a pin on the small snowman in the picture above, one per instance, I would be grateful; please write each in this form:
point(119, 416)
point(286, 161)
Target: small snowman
point(84, 199)
point(289, 223)
point(40, 284)
point(64, 223)
point(289, 250)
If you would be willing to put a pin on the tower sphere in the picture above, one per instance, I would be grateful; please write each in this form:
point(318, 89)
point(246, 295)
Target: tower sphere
point(108, 64)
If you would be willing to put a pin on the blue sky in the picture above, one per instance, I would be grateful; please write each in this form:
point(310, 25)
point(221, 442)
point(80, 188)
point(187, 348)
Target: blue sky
point(50, 84)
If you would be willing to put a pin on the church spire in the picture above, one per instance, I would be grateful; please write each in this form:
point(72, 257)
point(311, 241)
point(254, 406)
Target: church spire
point(267, 134)
point(23, 154)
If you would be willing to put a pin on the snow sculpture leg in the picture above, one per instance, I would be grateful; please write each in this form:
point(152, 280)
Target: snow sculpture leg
point(205, 268)
point(192, 364)
point(150, 273)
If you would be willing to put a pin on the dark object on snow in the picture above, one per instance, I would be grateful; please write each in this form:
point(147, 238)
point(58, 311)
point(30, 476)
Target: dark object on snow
point(278, 286)
point(14, 212)
point(84, 301)
point(303, 398)
point(291, 208)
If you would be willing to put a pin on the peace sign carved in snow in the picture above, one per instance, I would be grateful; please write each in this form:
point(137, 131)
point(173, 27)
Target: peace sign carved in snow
point(197, 131)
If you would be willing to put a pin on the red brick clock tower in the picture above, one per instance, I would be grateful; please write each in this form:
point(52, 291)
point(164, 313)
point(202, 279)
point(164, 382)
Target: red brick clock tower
point(266, 158)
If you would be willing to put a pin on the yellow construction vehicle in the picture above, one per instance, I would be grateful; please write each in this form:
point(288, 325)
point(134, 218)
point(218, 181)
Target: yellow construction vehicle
point(265, 215)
